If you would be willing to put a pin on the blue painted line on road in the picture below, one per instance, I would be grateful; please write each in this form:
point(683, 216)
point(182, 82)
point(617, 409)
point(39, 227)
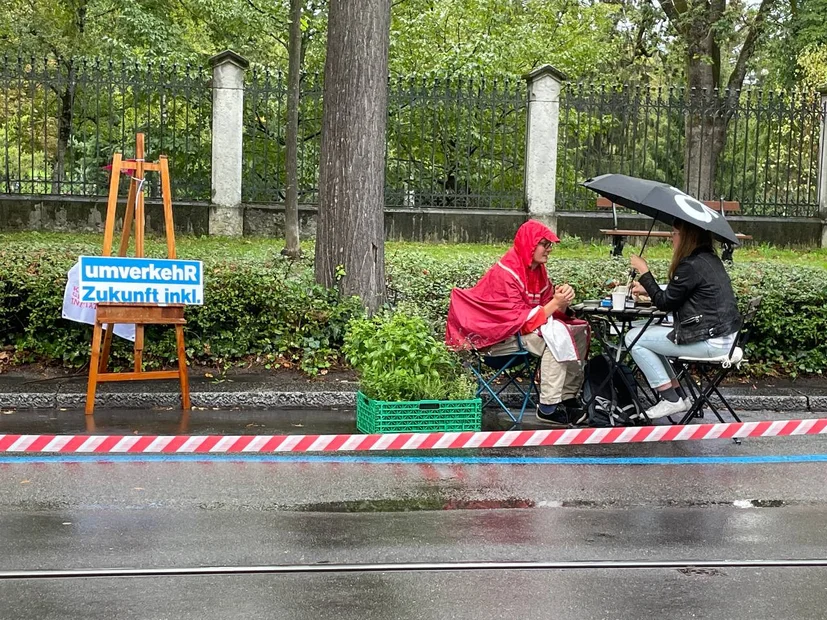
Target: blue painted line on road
point(436, 460)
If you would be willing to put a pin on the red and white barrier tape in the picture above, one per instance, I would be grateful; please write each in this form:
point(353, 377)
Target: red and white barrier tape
point(257, 444)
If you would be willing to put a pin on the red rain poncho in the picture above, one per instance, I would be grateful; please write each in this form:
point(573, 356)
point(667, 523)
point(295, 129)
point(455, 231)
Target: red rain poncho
point(501, 302)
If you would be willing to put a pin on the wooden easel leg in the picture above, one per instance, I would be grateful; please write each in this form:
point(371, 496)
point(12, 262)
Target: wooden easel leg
point(183, 374)
point(166, 196)
point(139, 348)
point(107, 346)
point(112, 205)
point(128, 217)
point(92, 386)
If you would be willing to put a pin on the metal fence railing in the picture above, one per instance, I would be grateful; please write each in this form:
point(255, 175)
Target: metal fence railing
point(61, 121)
point(769, 161)
point(457, 143)
point(453, 144)
point(264, 176)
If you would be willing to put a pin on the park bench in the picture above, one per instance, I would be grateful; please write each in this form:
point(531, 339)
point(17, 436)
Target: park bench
point(619, 235)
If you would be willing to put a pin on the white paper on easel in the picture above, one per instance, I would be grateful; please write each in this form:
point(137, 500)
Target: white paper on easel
point(84, 312)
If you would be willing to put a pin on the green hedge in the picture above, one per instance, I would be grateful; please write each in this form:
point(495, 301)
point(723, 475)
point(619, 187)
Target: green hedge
point(266, 308)
point(790, 332)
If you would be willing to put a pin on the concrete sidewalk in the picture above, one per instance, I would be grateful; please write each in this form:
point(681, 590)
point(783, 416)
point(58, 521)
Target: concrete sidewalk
point(268, 390)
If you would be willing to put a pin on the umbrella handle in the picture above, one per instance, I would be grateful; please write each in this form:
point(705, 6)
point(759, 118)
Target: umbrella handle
point(632, 271)
point(646, 240)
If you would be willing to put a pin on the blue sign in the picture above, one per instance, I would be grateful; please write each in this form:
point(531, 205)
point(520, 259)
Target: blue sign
point(162, 281)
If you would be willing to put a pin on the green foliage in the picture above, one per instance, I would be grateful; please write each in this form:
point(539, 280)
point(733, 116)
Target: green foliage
point(450, 37)
point(495, 37)
point(181, 32)
point(788, 335)
point(399, 359)
point(813, 64)
point(260, 305)
point(258, 309)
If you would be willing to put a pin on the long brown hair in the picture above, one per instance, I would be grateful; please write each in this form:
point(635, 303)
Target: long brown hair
point(690, 240)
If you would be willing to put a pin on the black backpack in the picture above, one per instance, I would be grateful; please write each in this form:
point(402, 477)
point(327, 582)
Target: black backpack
point(597, 394)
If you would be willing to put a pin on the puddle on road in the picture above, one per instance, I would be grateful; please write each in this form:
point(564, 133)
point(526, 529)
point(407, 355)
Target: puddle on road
point(444, 501)
point(738, 503)
point(414, 504)
point(760, 503)
point(692, 571)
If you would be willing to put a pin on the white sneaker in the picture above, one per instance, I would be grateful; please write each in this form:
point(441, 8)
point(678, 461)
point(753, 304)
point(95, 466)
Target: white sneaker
point(665, 408)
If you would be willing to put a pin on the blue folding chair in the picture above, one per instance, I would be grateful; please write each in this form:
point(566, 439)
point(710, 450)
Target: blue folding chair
point(509, 370)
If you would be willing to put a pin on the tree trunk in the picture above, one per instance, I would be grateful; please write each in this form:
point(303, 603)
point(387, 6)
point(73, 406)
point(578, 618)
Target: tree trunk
point(64, 127)
point(350, 247)
point(705, 134)
point(705, 130)
point(67, 104)
point(710, 103)
point(291, 206)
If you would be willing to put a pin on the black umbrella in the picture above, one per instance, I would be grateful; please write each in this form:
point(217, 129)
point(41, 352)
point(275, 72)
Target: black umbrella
point(661, 202)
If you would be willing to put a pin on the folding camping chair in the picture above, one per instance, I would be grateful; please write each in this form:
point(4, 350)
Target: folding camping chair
point(712, 371)
point(512, 369)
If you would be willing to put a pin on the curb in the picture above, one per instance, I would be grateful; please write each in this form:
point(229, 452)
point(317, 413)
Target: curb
point(271, 444)
point(209, 400)
point(316, 400)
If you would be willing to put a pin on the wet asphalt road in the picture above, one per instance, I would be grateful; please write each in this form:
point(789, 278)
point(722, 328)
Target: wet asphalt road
point(692, 501)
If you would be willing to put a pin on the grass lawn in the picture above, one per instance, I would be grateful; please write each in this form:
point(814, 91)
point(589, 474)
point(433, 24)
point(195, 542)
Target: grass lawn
point(258, 248)
point(573, 248)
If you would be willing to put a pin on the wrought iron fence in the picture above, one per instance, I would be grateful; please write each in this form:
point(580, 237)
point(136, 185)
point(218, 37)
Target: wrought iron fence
point(456, 144)
point(264, 176)
point(453, 144)
point(63, 119)
point(450, 143)
point(769, 160)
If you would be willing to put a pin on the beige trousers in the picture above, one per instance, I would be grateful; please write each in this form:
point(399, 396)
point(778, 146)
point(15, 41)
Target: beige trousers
point(558, 380)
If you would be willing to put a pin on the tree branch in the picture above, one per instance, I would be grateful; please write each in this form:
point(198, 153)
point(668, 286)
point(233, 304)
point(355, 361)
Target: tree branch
point(717, 8)
point(102, 14)
point(675, 9)
point(736, 79)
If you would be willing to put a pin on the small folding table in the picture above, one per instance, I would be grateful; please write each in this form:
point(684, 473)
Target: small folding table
point(610, 327)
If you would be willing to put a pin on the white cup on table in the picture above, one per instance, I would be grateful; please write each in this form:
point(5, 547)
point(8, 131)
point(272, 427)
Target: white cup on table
point(619, 295)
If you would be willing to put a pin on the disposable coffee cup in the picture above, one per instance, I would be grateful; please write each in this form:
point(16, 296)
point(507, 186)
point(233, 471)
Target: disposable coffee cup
point(619, 298)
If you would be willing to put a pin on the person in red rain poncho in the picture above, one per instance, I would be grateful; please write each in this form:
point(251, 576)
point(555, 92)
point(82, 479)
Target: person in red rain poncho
point(515, 297)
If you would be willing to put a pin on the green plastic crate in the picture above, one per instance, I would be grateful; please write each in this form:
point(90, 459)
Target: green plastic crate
point(424, 416)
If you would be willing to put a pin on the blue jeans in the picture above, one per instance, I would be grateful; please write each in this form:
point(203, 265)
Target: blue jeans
point(653, 348)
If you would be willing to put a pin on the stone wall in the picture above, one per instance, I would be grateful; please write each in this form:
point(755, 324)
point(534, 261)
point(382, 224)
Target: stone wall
point(88, 215)
point(437, 225)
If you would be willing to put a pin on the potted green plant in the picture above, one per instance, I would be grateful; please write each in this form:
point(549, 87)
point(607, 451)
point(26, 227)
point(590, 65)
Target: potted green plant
point(409, 381)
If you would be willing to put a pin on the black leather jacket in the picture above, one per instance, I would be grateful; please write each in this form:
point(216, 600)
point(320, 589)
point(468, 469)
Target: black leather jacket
point(700, 297)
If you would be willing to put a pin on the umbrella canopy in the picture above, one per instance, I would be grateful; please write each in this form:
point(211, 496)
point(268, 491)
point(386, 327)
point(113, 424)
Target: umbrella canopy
point(662, 202)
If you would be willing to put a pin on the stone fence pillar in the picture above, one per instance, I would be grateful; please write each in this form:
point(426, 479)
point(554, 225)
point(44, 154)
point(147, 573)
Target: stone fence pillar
point(226, 214)
point(544, 85)
point(822, 168)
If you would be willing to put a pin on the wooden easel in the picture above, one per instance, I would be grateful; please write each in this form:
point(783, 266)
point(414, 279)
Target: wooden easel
point(110, 314)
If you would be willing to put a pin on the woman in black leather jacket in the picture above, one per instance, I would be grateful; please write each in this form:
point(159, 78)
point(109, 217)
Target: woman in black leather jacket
point(706, 318)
